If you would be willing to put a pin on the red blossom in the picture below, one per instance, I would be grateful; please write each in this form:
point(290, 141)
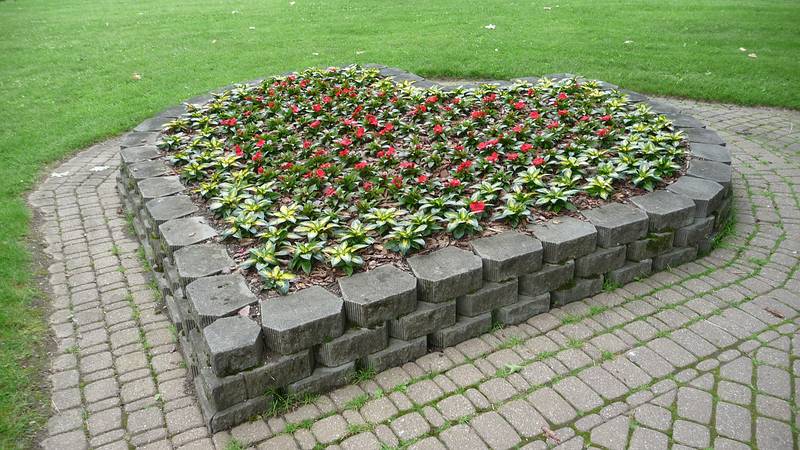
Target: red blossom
point(367, 186)
point(478, 114)
point(329, 191)
point(294, 109)
point(422, 179)
point(238, 150)
point(493, 157)
point(438, 129)
point(585, 118)
point(489, 98)
point(287, 165)
point(454, 182)
point(524, 148)
point(477, 207)
point(517, 128)
point(316, 107)
point(534, 115)
point(345, 142)
point(563, 112)
point(606, 118)
point(319, 173)
point(228, 122)
point(397, 181)
point(407, 165)
point(562, 96)
point(512, 156)
point(360, 132)
point(258, 156)
point(538, 161)
point(360, 165)
point(553, 124)
point(602, 132)
point(432, 99)
point(260, 143)
point(344, 153)
point(260, 170)
point(306, 144)
point(464, 166)
point(519, 105)
point(315, 124)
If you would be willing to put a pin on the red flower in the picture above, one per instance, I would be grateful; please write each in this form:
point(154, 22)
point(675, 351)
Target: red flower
point(361, 165)
point(563, 112)
point(562, 96)
point(519, 105)
point(306, 144)
point(534, 115)
point(585, 118)
point(477, 114)
point(606, 118)
point(321, 152)
point(316, 107)
point(407, 165)
point(553, 124)
point(344, 153)
point(422, 178)
point(360, 132)
point(493, 157)
point(438, 129)
point(454, 182)
point(320, 173)
point(326, 99)
point(260, 143)
point(512, 156)
point(517, 128)
point(464, 166)
point(602, 132)
point(526, 147)
point(345, 142)
point(372, 120)
point(315, 124)
point(432, 99)
point(477, 207)
point(490, 98)
point(294, 109)
point(228, 122)
point(260, 169)
point(287, 165)
point(329, 191)
point(238, 150)
point(538, 161)
point(397, 181)
point(326, 165)
point(257, 156)
point(367, 186)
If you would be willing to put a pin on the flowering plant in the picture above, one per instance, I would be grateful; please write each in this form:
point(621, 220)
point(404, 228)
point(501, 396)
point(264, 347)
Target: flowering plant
point(323, 166)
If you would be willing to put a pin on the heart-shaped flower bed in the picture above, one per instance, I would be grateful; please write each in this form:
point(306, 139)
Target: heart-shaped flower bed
point(329, 168)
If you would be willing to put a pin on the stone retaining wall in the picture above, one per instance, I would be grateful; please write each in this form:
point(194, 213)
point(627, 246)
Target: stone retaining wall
point(311, 341)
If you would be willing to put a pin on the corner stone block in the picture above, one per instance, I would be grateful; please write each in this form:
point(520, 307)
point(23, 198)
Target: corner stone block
point(674, 258)
point(600, 261)
point(446, 274)
point(398, 352)
point(151, 188)
point(691, 234)
point(710, 152)
point(617, 224)
point(703, 136)
point(136, 154)
point(301, 319)
point(277, 372)
point(371, 298)
point(353, 344)
point(711, 170)
point(684, 121)
point(582, 288)
point(666, 210)
point(212, 298)
point(523, 310)
point(707, 195)
point(427, 318)
point(565, 238)
point(167, 208)
point(148, 169)
point(139, 138)
point(222, 392)
point(508, 255)
point(490, 296)
point(234, 344)
point(216, 420)
point(464, 328)
point(323, 379)
point(724, 212)
point(178, 233)
point(549, 278)
point(201, 260)
point(630, 272)
point(654, 244)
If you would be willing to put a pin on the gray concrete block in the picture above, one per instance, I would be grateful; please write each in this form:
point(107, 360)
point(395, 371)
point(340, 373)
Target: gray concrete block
point(600, 261)
point(211, 298)
point(631, 271)
point(581, 288)
point(617, 223)
point(707, 195)
point(373, 297)
point(222, 392)
point(549, 278)
point(177, 233)
point(301, 319)
point(141, 153)
point(138, 139)
point(523, 310)
point(398, 352)
point(724, 212)
point(674, 258)
point(277, 371)
point(168, 208)
point(703, 136)
point(234, 344)
point(691, 234)
point(216, 420)
point(710, 152)
point(508, 255)
point(427, 318)
point(490, 296)
point(323, 379)
point(201, 260)
point(711, 170)
point(565, 238)
point(446, 274)
point(148, 169)
point(353, 344)
point(666, 210)
point(156, 187)
point(684, 121)
point(464, 328)
point(651, 246)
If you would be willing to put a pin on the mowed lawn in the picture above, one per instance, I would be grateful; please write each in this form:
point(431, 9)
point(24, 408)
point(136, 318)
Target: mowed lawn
point(67, 80)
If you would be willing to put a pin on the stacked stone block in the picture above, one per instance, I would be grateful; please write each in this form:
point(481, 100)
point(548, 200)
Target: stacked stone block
point(312, 340)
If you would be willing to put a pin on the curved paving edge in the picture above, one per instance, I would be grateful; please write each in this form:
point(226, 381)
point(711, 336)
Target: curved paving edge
point(311, 341)
point(707, 354)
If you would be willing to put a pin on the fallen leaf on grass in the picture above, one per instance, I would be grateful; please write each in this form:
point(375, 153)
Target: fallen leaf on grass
point(136, 76)
point(491, 26)
point(742, 49)
point(752, 55)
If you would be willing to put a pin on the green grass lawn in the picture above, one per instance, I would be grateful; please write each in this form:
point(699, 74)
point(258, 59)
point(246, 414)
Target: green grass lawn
point(66, 81)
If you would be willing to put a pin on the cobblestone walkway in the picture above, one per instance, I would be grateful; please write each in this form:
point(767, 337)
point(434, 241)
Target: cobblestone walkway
point(707, 355)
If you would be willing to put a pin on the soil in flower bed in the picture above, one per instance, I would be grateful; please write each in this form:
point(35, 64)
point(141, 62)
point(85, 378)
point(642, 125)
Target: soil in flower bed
point(321, 173)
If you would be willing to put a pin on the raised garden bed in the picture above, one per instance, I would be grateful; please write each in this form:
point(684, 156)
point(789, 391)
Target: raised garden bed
point(511, 197)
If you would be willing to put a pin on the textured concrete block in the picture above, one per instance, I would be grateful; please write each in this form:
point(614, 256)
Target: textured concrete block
point(703, 136)
point(216, 420)
point(302, 319)
point(508, 255)
point(674, 258)
point(707, 195)
point(278, 371)
point(211, 298)
point(691, 234)
point(132, 155)
point(665, 210)
point(353, 344)
point(600, 261)
point(234, 344)
point(168, 208)
point(148, 169)
point(427, 318)
point(724, 212)
point(222, 392)
point(709, 152)
point(631, 271)
point(549, 278)
point(490, 296)
point(446, 274)
point(647, 248)
point(201, 260)
point(711, 170)
point(156, 187)
point(523, 310)
point(178, 233)
point(565, 238)
point(617, 223)
point(398, 352)
point(323, 379)
point(464, 328)
point(581, 288)
point(684, 121)
point(138, 139)
point(371, 298)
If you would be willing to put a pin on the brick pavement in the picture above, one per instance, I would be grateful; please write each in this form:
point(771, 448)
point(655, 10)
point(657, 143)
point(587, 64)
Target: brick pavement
point(705, 355)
